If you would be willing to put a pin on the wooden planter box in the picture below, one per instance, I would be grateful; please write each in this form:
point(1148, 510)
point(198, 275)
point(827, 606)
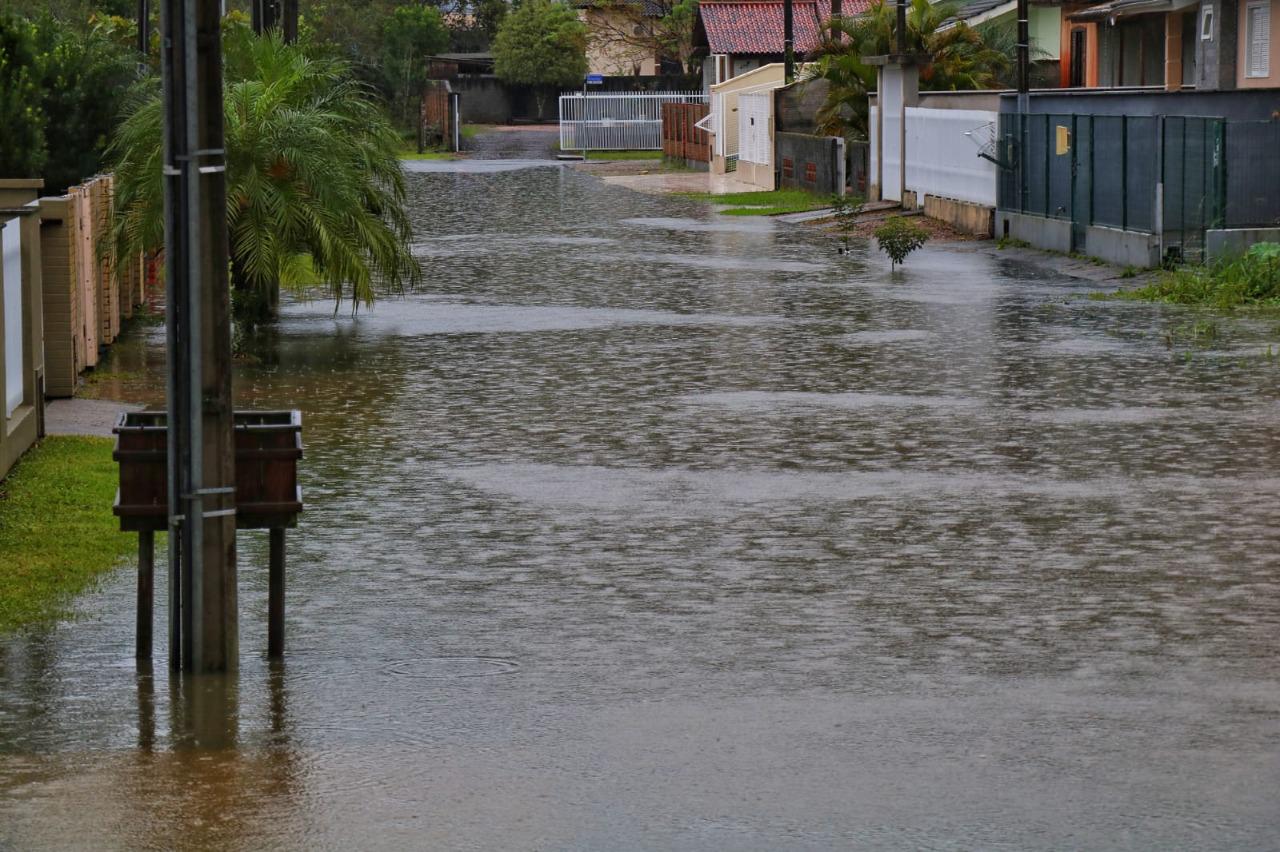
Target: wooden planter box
point(268, 446)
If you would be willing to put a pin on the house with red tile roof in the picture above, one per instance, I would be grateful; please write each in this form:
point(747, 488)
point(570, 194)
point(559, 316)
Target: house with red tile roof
point(741, 35)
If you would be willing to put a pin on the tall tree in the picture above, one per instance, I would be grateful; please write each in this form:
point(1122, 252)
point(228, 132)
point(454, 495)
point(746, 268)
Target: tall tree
point(315, 193)
point(660, 28)
point(411, 35)
point(85, 77)
point(541, 44)
point(22, 121)
point(957, 56)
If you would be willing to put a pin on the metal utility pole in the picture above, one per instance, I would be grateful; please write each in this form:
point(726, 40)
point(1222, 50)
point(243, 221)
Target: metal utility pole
point(788, 41)
point(1024, 57)
point(901, 31)
point(203, 628)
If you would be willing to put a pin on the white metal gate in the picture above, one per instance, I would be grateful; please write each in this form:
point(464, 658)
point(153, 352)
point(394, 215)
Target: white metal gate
point(617, 121)
point(753, 127)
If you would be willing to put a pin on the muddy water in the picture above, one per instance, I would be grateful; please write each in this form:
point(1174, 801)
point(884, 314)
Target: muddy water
point(644, 528)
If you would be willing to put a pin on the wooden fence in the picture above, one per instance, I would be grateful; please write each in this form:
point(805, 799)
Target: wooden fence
point(680, 138)
point(85, 295)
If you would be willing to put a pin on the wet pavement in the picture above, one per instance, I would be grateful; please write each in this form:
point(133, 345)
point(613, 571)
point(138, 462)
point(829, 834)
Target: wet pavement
point(647, 528)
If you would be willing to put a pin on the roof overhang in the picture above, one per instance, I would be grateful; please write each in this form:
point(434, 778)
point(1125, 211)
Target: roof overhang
point(1117, 9)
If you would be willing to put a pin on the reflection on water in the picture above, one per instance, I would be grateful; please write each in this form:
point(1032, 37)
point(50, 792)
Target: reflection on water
point(642, 528)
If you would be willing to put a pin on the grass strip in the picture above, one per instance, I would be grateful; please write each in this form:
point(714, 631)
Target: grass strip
point(57, 533)
point(622, 155)
point(765, 202)
point(1251, 280)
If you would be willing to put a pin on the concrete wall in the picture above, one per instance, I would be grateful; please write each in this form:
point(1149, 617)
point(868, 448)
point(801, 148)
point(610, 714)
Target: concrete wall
point(21, 317)
point(1216, 55)
point(964, 216)
point(485, 99)
point(813, 163)
point(1126, 248)
point(1043, 233)
point(1236, 241)
point(1238, 105)
point(795, 106)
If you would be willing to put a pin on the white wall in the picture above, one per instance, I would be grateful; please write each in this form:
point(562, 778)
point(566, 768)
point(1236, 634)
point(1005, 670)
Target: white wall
point(14, 366)
point(943, 161)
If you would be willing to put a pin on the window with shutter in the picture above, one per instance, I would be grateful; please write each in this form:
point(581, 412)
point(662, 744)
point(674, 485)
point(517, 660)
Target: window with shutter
point(1258, 17)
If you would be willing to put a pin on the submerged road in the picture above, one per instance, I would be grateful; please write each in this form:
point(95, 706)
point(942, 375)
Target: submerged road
point(648, 528)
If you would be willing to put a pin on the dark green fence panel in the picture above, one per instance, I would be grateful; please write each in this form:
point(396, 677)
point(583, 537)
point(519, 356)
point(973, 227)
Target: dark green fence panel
point(1060, 166)
point(1142, 157)
point(1109, 153)
point(1252, 164)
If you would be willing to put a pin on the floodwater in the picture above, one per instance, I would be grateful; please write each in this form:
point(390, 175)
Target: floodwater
point(648, 528)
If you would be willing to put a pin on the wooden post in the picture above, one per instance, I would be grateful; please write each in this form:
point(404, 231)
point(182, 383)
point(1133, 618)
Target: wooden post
point(275, 595)
point(146, 586)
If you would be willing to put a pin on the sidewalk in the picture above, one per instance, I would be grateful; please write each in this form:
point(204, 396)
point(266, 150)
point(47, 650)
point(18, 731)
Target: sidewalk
point(83, 416)
point(664, 183)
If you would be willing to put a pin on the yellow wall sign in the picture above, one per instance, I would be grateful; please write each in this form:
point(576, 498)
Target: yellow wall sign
point(1064, 140)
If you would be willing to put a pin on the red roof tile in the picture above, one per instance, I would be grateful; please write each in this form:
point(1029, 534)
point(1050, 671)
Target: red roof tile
point(755, 26)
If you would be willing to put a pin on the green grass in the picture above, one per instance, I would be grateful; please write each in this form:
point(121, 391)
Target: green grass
point(57, 533)
point(623, 155)
point(765, 202)
point(471, 131)
point(1248, 281)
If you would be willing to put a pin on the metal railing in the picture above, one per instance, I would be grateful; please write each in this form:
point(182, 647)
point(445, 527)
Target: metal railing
point(626, 121)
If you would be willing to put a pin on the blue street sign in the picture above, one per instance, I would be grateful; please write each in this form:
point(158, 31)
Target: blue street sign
point(595, 79)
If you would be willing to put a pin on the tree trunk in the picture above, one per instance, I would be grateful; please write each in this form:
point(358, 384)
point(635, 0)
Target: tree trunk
point(253, 305)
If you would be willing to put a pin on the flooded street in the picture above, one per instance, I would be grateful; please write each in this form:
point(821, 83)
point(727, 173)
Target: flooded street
point(648, 528)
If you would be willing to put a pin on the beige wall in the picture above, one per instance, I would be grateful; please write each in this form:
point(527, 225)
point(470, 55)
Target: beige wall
point(765, 77)
point(1242, 48)
point(606, 53)
point(20, 430)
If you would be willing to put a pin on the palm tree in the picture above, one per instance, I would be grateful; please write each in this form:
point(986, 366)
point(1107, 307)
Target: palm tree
point(957, 57)
point(315, 193)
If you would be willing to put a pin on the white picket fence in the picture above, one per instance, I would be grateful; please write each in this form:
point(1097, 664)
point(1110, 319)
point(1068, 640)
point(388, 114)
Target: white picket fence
point(617, 121)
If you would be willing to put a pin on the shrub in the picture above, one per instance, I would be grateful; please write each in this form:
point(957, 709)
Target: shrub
point(898, 237)
point(1249, 279)
point(846, 209)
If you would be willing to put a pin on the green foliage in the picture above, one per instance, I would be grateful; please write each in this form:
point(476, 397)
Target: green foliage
point(541, 44)
point(22, 122)
point(764, 202)
point(85, 77)
point(898, 237)
point(57, 533)
point(314, 187)
point(61, 91)
point(959, 57)
point(410, 36)
point(1249, 280)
